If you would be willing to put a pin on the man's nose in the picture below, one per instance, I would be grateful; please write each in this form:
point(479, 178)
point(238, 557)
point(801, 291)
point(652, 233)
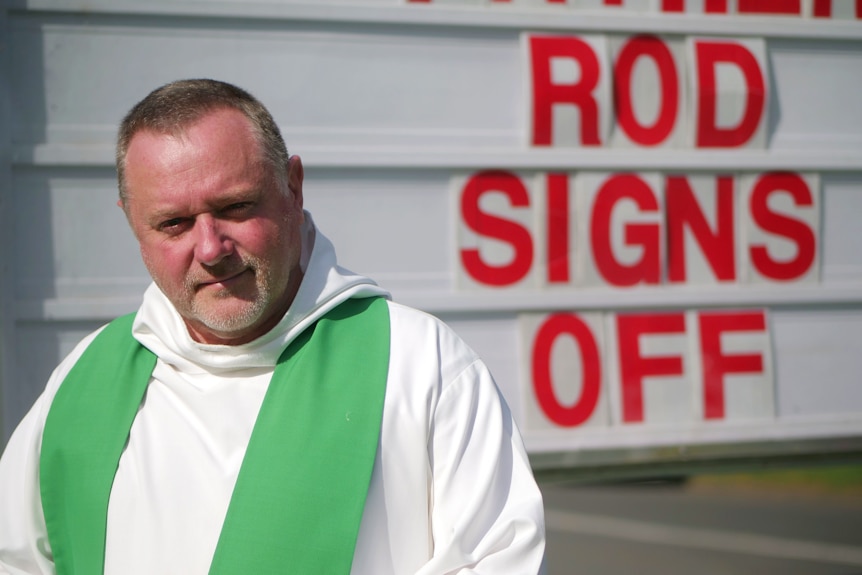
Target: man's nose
point(212, 243)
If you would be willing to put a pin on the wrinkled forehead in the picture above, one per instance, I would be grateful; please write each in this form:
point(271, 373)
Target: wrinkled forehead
point(217, 154)
point(219, 137)
point(223, 132)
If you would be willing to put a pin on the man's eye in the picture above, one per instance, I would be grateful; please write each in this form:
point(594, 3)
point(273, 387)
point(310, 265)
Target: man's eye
point(173, 225)
point(237, 208)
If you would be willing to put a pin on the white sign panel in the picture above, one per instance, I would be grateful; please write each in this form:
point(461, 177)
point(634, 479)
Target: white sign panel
point(643, 214)
point(657, 370)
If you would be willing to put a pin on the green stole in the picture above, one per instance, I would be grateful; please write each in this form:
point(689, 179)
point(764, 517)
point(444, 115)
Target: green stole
point(299, 497)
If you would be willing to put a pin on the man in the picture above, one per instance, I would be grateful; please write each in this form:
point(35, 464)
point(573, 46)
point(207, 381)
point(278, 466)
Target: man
point(265, 411)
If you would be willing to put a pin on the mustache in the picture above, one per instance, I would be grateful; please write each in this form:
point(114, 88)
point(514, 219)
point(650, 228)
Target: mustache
point(226, 268)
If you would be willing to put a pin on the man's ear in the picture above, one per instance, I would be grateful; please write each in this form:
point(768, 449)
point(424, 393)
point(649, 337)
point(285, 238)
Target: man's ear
point(294, 178)
point(122, 206)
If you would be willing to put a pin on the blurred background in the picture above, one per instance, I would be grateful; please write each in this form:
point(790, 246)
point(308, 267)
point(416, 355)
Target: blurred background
point(802, 520)
point(641, 213)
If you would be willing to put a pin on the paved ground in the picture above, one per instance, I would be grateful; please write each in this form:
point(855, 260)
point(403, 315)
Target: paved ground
point(668, 530)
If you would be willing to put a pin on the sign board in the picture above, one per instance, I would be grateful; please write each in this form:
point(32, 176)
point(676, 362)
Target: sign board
point(641, 213)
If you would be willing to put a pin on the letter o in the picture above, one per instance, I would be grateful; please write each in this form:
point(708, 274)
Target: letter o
point(555, 326)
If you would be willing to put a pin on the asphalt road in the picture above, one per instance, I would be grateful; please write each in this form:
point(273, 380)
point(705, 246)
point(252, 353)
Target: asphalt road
point(669, 530)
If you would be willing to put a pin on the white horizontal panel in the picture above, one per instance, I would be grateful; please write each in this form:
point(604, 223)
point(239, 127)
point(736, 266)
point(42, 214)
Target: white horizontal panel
point(396, 225)
point(842, 207)
point(633, 299)
point(674, 459)
point(764, 440)
point(475, 157)
point(39, 347)
point(379, 94)
point(330, 85)
point(101, 308)
point(449, 14)
point(803, 74)
point(410, 292)
point(71, 236)
point(816, 362)
point(388, 102)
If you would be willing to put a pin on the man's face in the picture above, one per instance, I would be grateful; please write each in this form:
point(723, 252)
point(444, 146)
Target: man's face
point(217, 233)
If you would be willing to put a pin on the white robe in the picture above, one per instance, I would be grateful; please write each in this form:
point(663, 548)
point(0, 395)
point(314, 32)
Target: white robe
point(451, 490)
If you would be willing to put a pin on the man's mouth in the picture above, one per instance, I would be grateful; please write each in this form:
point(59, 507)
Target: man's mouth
point(224, 281)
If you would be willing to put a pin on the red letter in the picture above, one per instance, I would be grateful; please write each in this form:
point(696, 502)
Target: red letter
point(555, 326)
point(781, 225)
point(683, 210)
point(770, 7)
point(648, 269)
point(654, 48)
point(717, 364)
point(708, 54)
point(543, 49)
point(494, 227)
point(634, 367)
point(710, 7)
point(823, 8)
point(558, 228)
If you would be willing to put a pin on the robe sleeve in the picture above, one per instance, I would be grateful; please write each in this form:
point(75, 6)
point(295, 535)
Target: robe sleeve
point(487, 514)
point(23, 537)
point(24, 547)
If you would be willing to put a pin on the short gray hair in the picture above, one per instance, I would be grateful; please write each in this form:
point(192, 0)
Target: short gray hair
point(174, 107)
